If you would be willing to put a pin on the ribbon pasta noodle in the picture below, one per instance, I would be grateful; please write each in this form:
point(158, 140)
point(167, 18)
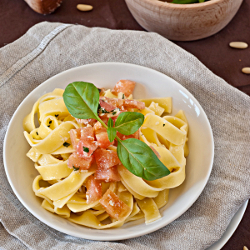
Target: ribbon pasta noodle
point(64, 190)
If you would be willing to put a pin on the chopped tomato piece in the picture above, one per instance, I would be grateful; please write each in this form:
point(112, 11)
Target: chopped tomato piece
point(83, 141)
point(103, 140)
point(98, 128)
point(124, 86)
point(87, 134)
point(85, 149)
point(79, 162)
point(114, 102)
point(87, 144)
point(75, 135)
point(137, 134)
point(105, 105)
point(125, 103)
point(133, 104)
point(101, 136)
point(94, 189)
point(125, 137)
point(86, 122)
point(106, 158)
point(115, 207)
point(108, 175)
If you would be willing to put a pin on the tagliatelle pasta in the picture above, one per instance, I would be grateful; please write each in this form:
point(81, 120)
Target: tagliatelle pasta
point(88, 185)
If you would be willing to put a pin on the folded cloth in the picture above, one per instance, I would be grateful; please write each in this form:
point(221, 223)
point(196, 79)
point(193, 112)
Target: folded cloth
point(50, 48)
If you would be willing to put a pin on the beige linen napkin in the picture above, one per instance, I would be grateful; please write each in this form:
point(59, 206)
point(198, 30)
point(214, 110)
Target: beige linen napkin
point(50, 48)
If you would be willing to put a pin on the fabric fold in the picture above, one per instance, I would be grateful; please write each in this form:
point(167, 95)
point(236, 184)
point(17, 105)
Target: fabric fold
point(50, 48)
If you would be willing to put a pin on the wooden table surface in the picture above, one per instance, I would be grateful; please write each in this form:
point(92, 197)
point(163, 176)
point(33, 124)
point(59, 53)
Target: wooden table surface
point(16, 18)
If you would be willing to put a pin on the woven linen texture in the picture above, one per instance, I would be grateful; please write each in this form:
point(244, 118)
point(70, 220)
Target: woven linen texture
point(50, 48)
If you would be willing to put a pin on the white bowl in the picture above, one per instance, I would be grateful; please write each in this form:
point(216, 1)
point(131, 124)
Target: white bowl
point(150, 83)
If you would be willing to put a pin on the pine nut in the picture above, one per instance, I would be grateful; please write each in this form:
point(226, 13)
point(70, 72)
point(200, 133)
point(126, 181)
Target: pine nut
point(245, 248)
point(238, 45)
point(84, 7)
point(246, 70)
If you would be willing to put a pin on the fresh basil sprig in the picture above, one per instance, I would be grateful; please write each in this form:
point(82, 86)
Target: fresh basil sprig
point(82, 100)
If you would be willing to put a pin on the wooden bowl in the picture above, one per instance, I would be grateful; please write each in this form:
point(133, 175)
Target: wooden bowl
point(183, 22)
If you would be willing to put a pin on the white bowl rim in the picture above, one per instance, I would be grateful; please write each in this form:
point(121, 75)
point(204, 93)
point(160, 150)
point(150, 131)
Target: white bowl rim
point(156, 226)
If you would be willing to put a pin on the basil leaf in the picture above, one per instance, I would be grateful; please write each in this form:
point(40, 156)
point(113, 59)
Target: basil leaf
point(75, 169)
point(85, 149)
point(110, 123)
point(128, 123)
point(140, 159)
point(81, 100)
point(111, 131)
point(66, 144)
point(111, 134)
